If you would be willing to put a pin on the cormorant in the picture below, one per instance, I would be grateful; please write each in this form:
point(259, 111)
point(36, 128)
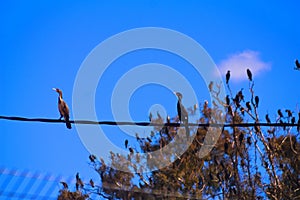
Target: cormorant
point(131, 150)
point(227, 76)
point(63, 108)
point(168, 119)
point(126, 143)
point(289, 112)
point(249, 74)
point(92, 158)
point(150, 117)
point(182, 113)
point(64, 184)
point(268, 119)
point(242, 110)
point(297, 64)
point(92, 183)
point(240, 95)
point(256, 101)
point(293, 120)
point(77, 176)
point(248, 105)
point(227, 100)
point(279, 113)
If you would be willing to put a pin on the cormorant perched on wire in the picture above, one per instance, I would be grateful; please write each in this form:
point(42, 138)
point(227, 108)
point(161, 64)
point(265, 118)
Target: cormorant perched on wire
point(63, 108)
point(168, 119)
point(227, 76)
point(293, 120)
point(249, 74)
point(279, 113)
point(268, 119)
point(297, 64)
point(289, 112)
point(182, 113)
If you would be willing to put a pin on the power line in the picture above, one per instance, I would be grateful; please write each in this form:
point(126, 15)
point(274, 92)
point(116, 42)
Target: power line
point(124, 123)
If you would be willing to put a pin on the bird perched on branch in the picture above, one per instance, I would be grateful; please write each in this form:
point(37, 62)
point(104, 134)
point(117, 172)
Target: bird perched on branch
point(63, 108)
point(92, 183)
point(227, 76)
point(248, 105)
point(182, 113)
point(249, 74)
point(227, 100)
point(297, 64)
point(65, 185)
point(256, 101)
point(92, 158)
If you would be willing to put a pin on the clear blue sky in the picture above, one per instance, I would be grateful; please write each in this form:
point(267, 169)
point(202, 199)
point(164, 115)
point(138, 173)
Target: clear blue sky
point(43, 45)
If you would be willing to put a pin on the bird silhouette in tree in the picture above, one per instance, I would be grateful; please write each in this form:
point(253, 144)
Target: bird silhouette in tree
point(227, 76)
point(297, 64)
point(65, 185)
point(249, 74)
point(63, 108)
point(256, 99)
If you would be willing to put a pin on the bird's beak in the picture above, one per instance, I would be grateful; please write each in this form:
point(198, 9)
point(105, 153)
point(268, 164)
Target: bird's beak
point(54, 89)
point(175, 93)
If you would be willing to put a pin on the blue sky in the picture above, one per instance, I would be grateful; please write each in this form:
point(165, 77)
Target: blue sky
point(43, 45)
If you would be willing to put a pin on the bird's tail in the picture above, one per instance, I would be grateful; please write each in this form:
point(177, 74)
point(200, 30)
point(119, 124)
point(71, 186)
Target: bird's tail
point(68, 124)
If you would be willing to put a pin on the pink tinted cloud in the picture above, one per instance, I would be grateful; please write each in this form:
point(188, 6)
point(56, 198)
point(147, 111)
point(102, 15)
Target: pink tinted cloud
point(239, 62)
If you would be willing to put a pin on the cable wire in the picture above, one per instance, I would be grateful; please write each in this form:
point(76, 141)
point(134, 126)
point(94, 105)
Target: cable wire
point(124, 123)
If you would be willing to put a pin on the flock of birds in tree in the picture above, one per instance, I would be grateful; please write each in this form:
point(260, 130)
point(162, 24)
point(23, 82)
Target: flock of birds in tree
point(182, 116)
point(79, 183)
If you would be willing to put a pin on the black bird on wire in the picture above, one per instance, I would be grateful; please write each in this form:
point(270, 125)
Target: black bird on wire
point(279, 113)
point(249, 74)
point(268, 119)
point(293, 120)
point(297, 64)
point(227, 76)
point(63, 108)
point(182, 113)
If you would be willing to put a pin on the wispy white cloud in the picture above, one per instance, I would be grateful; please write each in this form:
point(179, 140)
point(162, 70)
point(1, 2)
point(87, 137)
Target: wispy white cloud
point(238, 63)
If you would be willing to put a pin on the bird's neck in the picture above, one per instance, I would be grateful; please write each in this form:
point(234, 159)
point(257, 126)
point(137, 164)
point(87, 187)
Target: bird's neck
point(60, 99)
